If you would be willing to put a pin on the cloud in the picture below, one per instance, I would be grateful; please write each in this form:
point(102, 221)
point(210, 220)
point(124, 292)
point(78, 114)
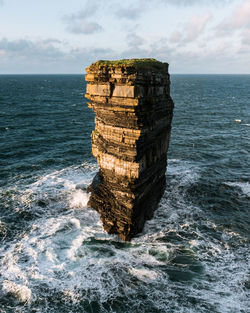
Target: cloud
point(49, 48)
point(134, 52)
point(134, 40)
point(79, 23)
point(84, 27)
point(47, 56)
point(216, 58)
point(184, 3)
point(53, 56)
point(175, 37)
point(89, 10)
point(139, 7)
point(158, 49)
point(130, 13)
point(246, 37)
point(25, 48)
point(191, 30)
point(240, 18)
point(194, 2)
point(196, 26)
point(51, 40)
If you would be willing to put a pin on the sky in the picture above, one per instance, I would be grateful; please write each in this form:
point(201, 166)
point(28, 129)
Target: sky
point(66, 36)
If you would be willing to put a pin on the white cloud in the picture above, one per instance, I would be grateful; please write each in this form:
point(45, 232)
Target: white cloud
point(175, 37)
point(191, 30)
point(240, 18)
point(196, 26)
point(187, 41)
point(237, 26)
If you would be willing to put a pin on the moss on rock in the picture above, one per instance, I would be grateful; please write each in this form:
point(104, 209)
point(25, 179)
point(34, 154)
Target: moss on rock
point(139, 64)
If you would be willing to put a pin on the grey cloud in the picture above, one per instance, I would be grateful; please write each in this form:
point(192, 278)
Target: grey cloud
point(47, 56)
point(158, 49)
point(45, 49)
point(25, 49)
point(13, 46)
point(246, 37)
point(134, 52)
point(51, 40)
point(134, 40)
point(84, 27)
point(78, 23)
point(207, 59)
point(101, 51)
point(129, 13)
point(141, 6)
point(89, 10)
point(194, 2)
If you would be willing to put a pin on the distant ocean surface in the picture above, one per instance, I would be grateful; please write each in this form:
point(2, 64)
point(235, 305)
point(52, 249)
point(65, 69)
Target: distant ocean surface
point(192, 257)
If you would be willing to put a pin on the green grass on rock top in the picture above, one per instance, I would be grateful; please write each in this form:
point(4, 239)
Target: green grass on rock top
point(147, 64)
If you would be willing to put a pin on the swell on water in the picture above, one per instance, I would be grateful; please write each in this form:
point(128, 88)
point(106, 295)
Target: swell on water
point(193, 256)
point(64, 259)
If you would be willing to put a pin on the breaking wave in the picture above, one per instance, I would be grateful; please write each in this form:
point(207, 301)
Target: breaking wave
point(66, 255)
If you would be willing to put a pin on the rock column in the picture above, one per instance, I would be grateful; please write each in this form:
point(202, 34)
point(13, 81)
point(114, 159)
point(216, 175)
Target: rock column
point(133, 107)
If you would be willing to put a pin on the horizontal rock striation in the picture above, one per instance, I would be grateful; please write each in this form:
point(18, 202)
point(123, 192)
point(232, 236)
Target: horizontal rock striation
point(133, 107)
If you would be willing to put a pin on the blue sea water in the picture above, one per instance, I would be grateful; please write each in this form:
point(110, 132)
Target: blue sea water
point(192, 257)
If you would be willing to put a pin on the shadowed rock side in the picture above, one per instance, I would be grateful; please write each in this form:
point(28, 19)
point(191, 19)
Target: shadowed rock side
point(133, 107)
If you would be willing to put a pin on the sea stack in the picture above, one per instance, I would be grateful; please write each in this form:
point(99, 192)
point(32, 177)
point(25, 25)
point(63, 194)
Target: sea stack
point(133, 107)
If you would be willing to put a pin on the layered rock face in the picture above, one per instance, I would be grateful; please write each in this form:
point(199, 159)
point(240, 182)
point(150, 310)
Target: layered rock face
point(133, 107)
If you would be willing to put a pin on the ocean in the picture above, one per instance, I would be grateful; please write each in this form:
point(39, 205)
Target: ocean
point(192, 257)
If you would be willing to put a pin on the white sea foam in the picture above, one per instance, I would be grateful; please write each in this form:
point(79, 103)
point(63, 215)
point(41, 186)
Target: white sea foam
point(144, 274)
point(79, 199)
point(184, 172)
point(59, 189)
point(21, 292)
point(68, 251)
point(245, 187)
point(71, 253)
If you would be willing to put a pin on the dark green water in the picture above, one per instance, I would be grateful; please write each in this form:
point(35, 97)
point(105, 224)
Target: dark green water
point(193, 257)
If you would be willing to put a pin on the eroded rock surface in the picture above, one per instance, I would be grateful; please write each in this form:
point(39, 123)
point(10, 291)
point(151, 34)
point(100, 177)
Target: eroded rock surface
point(133, 107)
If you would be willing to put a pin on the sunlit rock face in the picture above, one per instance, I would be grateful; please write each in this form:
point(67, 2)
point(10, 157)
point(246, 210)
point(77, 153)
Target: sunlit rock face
point(133, 107)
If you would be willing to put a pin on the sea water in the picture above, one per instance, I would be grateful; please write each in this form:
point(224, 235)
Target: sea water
point(193, 256)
